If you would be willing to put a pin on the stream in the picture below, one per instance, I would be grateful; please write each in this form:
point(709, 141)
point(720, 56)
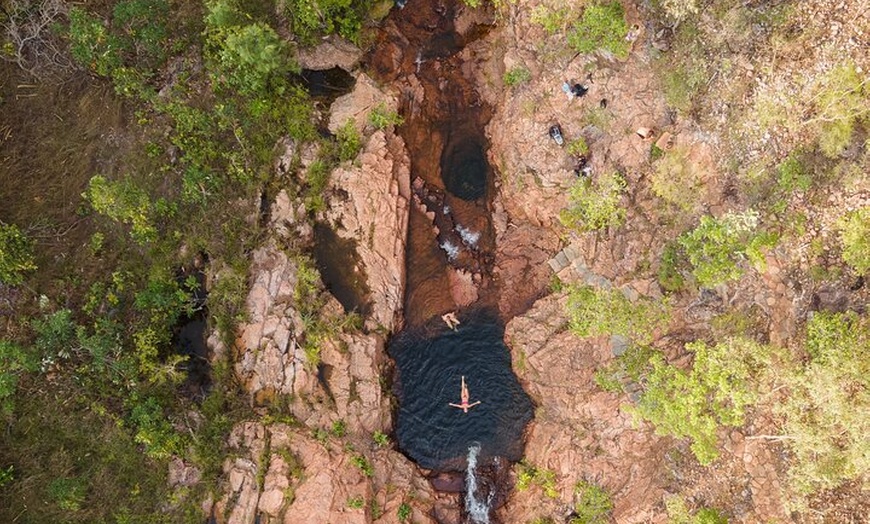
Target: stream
point(450, 231)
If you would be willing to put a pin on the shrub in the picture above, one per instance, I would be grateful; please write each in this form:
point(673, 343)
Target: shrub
point(16, 255)
point(153, 430)
point(91, 43)
point(380, 439)
point(311, 19)
point(404, 512)
point(364, 465)
point(841, 102)
point(516, 76)
point(381, 118)
point(677, 180)
point(595, 205)
point(827, 412)
point(632, 366)
point(593, 504)
point(578, 147)
point(552, 20)
point(528, 475)
point(670, 276)
point(14, 361)
point(855, 238)
point(602, 26)
point(717, 247)
point(679, 9)
point(595, 312)
point(349, 141)
point(356, 502)
point(722, 383)
point(678, 513)
point(251, 56)
point(124, 202)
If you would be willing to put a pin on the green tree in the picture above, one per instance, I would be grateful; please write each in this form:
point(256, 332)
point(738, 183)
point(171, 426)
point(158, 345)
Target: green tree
point(595, 312)
point(827, 411)
point(16, 255)
point(251, 56)
point(595, 205)
point(723, 382)
point(717, 247)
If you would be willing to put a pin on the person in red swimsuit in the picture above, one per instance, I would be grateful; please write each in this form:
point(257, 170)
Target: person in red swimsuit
point(463, 394)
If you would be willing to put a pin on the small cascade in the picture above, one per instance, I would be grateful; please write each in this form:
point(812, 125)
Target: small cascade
point(476, 508)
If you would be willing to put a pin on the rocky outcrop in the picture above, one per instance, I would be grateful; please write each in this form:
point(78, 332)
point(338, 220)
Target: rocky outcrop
point(371, 207)
point(269, 356)
point(280, 474)
point(333, 51)
point(357, 104)
point(579, 431)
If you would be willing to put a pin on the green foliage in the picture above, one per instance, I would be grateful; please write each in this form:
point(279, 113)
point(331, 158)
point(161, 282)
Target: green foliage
point(855, 238)
point(91, 43)
point(311, 19)
point(251, 56)
point(717, 247)
point(827, 412)
point(380, 439)
point(14, 361)
point(339, 428)
point(364, 465)
point(349, 141)
point(16, 255)
point(404, 512)
point(356, 502)
point(153, 430)
point(595, 205)
point(381, 118)
point(602, 26)
point(678, 180)
point(593, 504)
point(7, 474)
point(67, 492)
point(670, 276)
point(843, 101)
point(55, 334)
point(529, 475)
point(792, 174)
point(226, 300)
point(723, 382)
point(577, 147)
point(631, 366)
point(552, 20)
point(679, 9)
point(125, 202)
point(595, 312)
point(516, 76)
point(678, 513)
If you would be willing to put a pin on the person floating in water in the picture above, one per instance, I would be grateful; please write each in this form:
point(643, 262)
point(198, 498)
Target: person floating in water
point(451, 320)
point(463, 394)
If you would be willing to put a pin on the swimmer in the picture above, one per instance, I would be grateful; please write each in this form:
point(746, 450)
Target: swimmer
point(463, 394)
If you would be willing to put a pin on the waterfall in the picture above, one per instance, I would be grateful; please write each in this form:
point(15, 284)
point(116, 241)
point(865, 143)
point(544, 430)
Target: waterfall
point(477, 509)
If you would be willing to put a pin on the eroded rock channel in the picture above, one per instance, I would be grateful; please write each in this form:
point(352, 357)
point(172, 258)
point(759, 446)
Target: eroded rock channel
point(449, 259)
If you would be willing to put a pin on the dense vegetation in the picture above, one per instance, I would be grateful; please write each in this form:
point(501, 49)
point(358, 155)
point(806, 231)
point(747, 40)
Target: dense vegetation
point(95, 397)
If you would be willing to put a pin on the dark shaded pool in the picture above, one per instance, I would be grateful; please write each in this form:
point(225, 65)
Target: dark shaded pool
point(336, 259)
point(327, 83)
point(431, 362)
point(464, 168)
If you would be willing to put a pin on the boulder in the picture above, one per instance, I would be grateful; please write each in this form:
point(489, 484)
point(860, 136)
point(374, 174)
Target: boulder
point(333, 51)
point(371, 207)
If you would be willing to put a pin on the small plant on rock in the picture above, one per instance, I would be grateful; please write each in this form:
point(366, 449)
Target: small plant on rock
point(516, 76)
point(593, 504)
point(381, 118)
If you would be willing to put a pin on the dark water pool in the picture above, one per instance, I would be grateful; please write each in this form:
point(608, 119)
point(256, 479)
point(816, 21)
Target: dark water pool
point(464, 168)
point(431, 362)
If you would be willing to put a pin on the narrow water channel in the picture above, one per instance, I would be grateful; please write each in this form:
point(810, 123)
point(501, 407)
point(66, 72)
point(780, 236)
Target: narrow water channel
point(450, 233)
